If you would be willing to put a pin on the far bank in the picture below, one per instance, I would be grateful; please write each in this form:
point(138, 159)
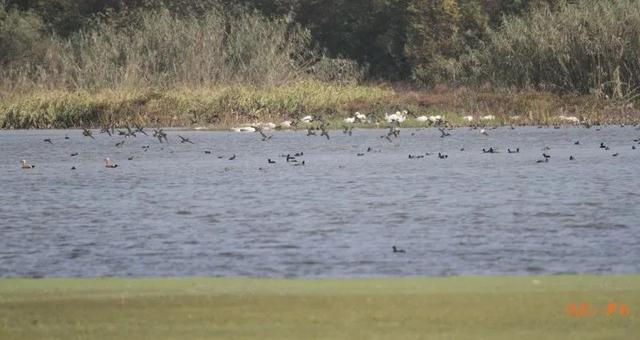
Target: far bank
point(227, 106)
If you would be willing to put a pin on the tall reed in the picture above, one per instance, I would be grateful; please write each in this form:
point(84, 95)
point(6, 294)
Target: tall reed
point(161, 49)
point(591, 46)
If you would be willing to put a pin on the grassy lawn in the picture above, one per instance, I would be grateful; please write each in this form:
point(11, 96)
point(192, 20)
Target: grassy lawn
point(405, 308)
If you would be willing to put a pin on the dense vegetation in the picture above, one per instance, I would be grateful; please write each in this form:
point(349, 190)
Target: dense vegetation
point(157, 47)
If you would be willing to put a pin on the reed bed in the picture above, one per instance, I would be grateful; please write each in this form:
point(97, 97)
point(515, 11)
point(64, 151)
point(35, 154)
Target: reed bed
point(587, 47)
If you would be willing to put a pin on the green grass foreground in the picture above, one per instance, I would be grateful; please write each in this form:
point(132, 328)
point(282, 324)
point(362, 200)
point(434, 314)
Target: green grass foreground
point(399, 308)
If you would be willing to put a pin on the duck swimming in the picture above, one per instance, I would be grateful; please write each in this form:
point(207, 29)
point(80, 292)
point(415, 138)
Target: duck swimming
point(397, 250)
point(25, 165)
point(491, 150)
point(109, 164)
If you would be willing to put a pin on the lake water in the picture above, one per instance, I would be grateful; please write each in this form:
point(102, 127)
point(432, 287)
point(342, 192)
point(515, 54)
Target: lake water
point(174, 210)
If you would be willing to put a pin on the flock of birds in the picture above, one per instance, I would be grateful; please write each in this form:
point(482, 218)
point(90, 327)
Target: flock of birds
point(313, 125)
point(317, 123)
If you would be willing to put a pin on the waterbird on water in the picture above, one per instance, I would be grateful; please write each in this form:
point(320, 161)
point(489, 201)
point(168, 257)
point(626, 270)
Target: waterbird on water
point(490, 150)
point(517, 150)
point(397, 250)
point(232, 157)
point(571, 158)
point(270, 161)
point(48, 140)
point(615, 154)
point(109, 164)
point(25, 165)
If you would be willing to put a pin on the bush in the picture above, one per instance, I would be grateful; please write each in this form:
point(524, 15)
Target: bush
point(20, 36)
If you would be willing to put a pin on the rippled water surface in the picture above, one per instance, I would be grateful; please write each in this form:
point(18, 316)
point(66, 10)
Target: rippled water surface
point(174, 210)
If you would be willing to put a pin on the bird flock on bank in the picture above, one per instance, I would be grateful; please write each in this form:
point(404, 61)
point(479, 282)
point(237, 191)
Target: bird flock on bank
point(317, 125)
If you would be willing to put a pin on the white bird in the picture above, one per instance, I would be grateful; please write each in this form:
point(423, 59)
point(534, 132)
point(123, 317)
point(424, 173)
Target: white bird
point(435, 119)
point(285, 124)
point(25, 165)
point(243, 129)
point(307, 119)
point(572, 119)
point(468, 118)
point(268, 126)
point(488, 117)
point(484, 132)
point(422, 119)
point(109, 164)
point(360, 117)
point(396, 117)
point(350, 120)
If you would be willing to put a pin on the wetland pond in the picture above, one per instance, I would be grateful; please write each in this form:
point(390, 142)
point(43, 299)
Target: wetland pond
point(174, 210)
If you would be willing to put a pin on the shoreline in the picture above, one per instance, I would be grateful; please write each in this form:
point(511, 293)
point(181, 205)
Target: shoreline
point(224, 107)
